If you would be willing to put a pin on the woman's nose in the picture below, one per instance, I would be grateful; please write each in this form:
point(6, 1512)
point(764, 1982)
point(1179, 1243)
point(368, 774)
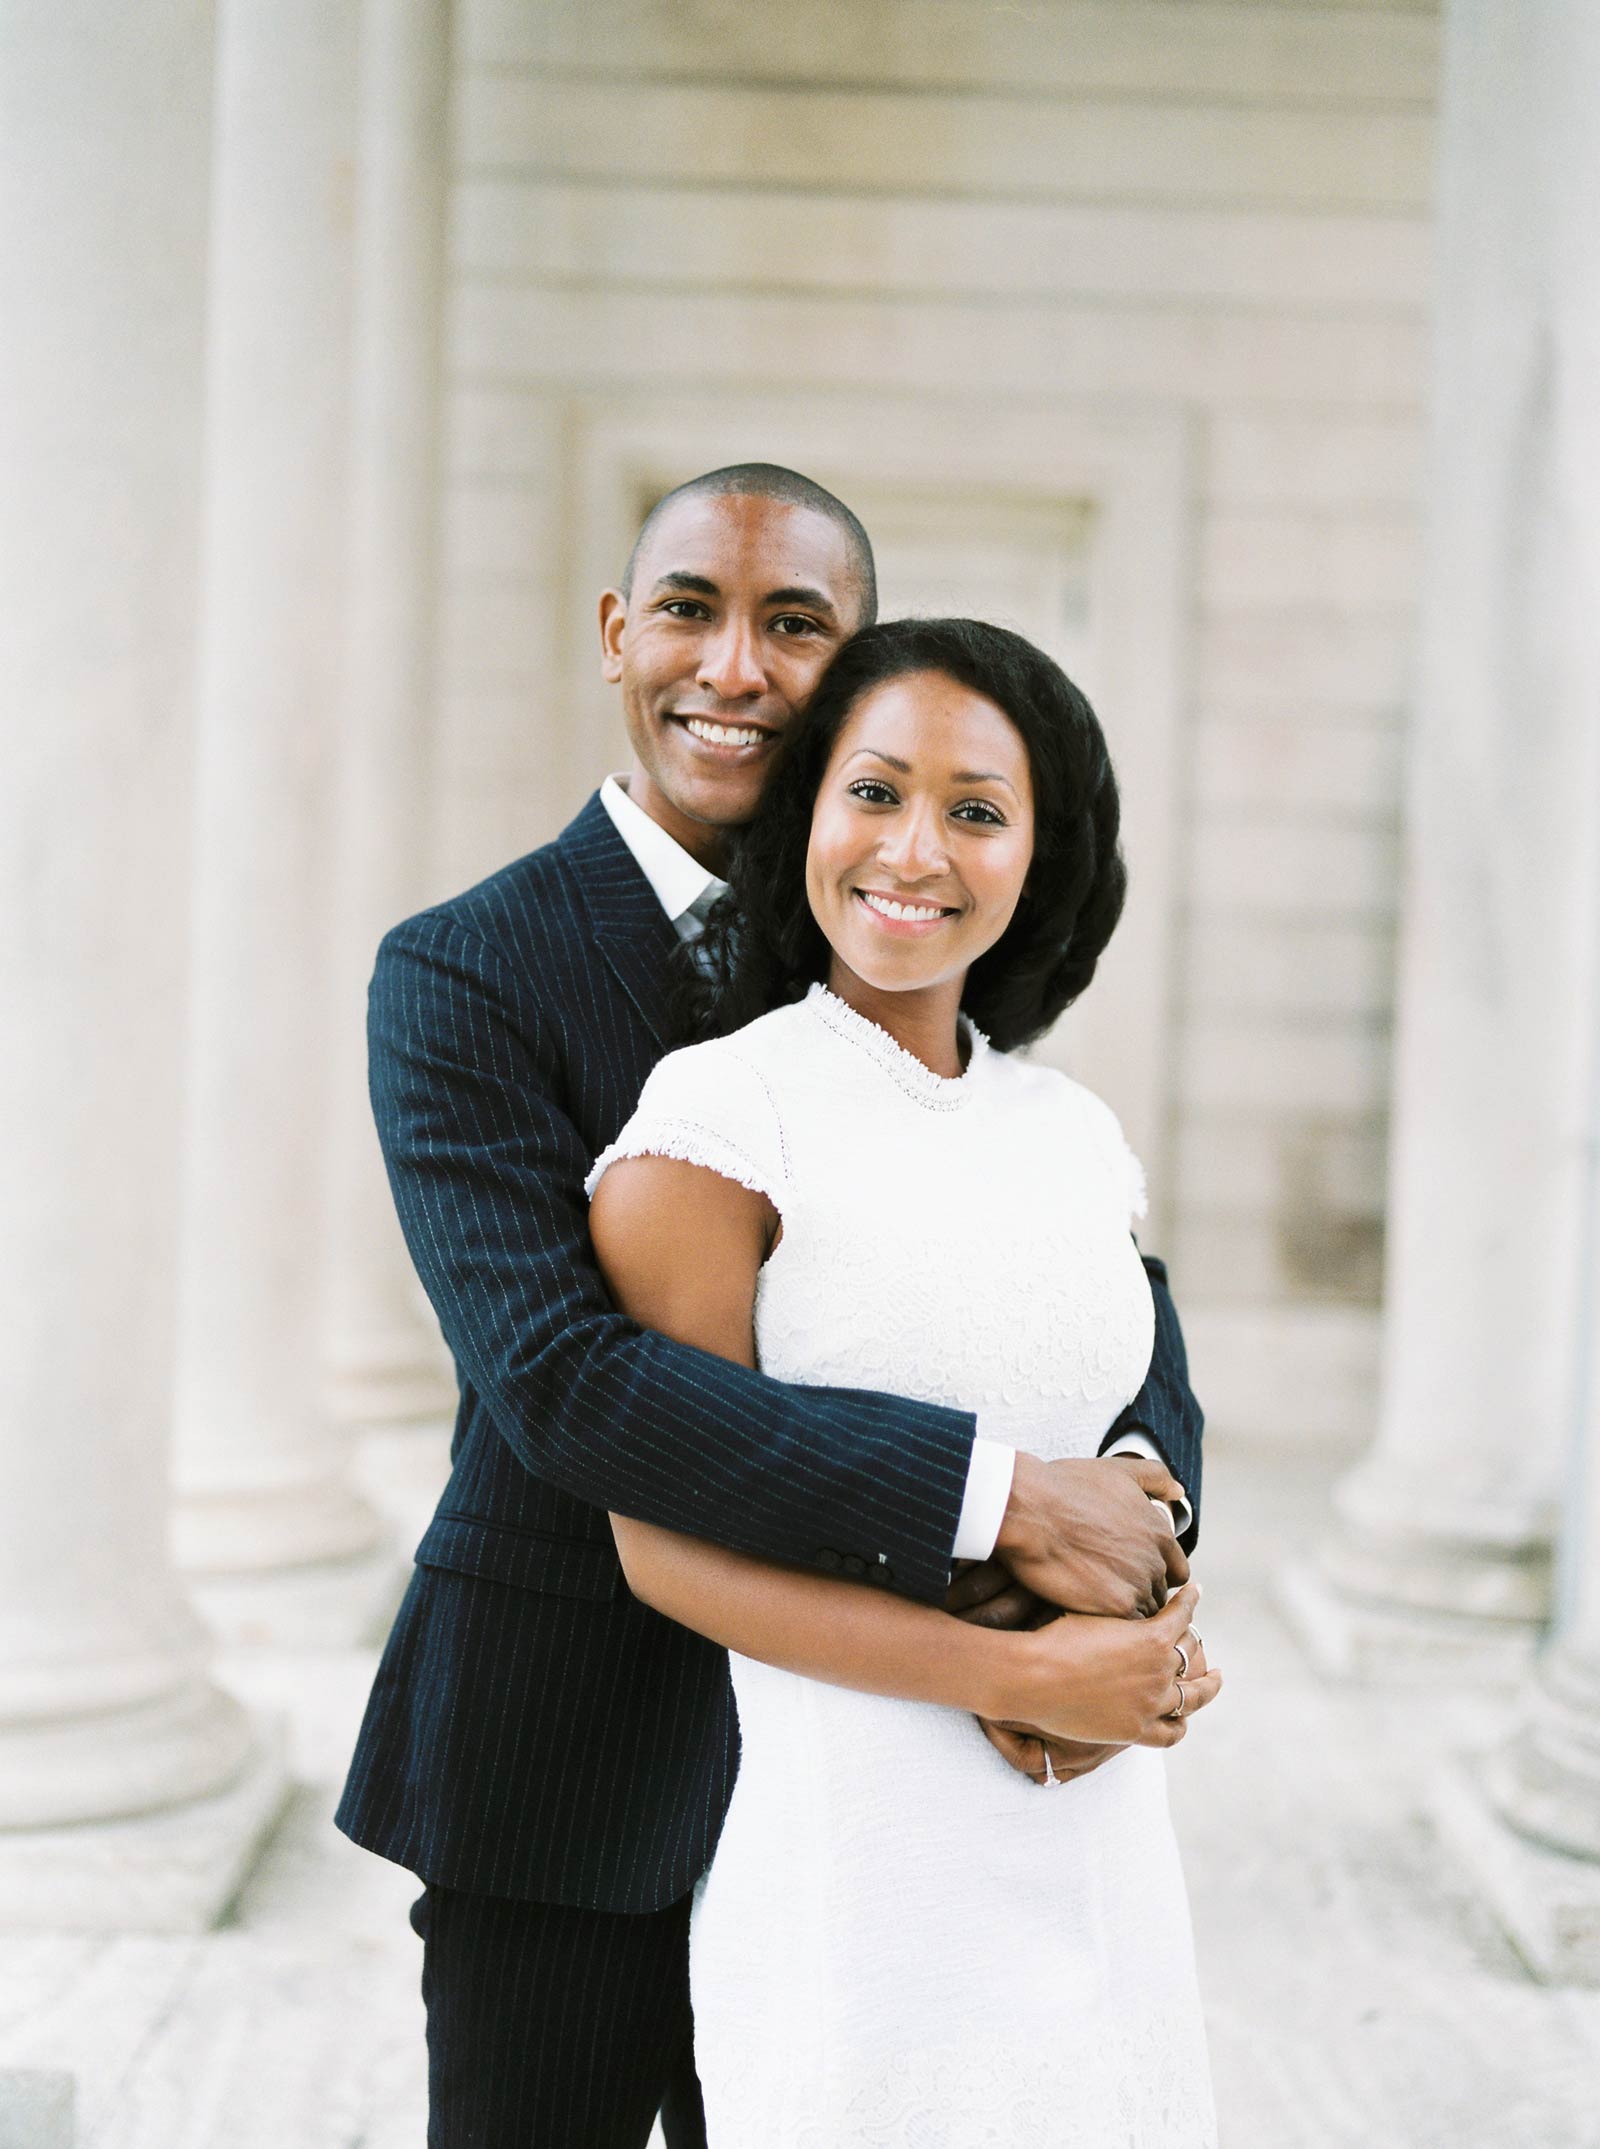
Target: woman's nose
point(914, 847)
point(730, 664)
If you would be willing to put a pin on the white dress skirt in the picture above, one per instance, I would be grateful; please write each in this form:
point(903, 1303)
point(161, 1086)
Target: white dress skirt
point(902, 1943)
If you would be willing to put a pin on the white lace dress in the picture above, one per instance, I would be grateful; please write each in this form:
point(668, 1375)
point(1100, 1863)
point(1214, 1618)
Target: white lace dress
point(902, 1943)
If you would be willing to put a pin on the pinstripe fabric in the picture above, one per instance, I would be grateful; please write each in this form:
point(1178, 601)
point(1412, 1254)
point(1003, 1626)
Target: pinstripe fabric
point(533, 1732)
point(551, 2028)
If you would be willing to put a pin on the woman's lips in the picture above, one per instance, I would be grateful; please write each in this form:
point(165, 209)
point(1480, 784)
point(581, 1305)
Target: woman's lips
point(898, 915)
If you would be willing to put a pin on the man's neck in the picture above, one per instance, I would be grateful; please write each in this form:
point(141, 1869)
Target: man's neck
point(706, 845)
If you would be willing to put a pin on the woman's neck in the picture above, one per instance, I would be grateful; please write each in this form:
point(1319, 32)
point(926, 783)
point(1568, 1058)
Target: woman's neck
point(924, 1022)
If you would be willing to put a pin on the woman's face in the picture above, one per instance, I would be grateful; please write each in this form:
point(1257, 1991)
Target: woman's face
point(922, 832)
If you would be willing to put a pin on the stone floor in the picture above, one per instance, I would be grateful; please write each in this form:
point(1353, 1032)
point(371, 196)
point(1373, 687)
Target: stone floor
point(1359, 1997)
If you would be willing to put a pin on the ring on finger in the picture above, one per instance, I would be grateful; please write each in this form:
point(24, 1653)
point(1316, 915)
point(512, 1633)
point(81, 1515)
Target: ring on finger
point(1174, 1714)
point(1183, 1659)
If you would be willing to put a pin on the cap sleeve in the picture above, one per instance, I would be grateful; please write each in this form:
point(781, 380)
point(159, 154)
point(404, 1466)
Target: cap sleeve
point(1125, 1172)
point(706, 1105)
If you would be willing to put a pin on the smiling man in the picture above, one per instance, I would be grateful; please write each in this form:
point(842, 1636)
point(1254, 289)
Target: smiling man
point(550, 1757)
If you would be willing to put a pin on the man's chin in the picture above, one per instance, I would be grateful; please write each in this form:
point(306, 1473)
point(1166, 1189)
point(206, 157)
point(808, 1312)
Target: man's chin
point(717, 799)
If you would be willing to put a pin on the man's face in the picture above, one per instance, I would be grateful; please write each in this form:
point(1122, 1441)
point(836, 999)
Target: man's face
point(738, 604)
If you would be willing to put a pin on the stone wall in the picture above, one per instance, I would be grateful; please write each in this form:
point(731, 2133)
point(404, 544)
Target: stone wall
point(681, 231)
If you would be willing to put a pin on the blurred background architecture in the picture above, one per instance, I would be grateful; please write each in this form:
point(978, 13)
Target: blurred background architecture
point(1243, 352)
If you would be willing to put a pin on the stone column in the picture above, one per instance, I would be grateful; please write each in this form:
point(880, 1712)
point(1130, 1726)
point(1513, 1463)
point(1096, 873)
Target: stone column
point(106, 1709)
point(1440, 1558)
point(261, 1468)
point(386, 1360)
point(1528, 1817)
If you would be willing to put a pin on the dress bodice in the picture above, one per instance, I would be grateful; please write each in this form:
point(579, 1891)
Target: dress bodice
point(959, 1240)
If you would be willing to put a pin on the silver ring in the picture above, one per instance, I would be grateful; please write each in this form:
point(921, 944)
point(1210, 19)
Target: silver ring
point(1183, 1659)
point(1195, 1631)
point(1174, 1714)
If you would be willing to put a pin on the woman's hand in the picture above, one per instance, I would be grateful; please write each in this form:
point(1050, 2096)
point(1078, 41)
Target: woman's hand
point(1111, 1681)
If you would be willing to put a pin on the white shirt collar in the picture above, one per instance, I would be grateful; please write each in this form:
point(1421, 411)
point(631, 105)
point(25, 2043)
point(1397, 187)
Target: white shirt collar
point(679, 881)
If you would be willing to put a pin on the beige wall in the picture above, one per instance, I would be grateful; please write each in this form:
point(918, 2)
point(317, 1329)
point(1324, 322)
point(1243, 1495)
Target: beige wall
point(1179, 249)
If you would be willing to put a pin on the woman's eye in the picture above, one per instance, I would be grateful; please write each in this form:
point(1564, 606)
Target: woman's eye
point(874, 792)
point(979, 809)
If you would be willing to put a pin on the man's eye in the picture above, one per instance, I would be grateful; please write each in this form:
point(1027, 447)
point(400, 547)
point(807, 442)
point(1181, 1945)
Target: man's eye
point(794, 624)
point(685, 608)
point(874, 792)
point(979, 809)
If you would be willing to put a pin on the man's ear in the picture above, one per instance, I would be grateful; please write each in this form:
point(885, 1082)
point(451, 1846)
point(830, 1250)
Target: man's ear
point(613, 619)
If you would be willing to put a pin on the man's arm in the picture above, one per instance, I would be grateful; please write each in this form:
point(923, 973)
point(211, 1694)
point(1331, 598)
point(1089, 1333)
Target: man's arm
point(487, 1172)
point(1166, 1410)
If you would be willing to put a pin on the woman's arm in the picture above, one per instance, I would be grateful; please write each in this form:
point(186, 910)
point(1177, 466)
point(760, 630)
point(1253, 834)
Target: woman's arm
point(681, 1249)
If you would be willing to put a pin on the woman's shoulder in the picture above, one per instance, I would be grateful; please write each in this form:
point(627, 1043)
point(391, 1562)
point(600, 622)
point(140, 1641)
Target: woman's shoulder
point(1081, 1113)
point(760, 1049)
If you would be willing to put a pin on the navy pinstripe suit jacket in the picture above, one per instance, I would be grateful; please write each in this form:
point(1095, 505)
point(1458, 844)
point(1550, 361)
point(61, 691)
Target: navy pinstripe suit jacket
point(533, 1731)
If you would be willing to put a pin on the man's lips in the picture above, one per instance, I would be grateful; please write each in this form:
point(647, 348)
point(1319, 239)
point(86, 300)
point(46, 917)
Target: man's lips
point(904, 916)
point(721, 735)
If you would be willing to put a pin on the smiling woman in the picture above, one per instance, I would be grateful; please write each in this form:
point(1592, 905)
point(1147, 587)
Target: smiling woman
point(944, 764)
point(852, 1188)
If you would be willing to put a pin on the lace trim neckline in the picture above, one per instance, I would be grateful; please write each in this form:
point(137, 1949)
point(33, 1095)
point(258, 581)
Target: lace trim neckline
point(939, 1093)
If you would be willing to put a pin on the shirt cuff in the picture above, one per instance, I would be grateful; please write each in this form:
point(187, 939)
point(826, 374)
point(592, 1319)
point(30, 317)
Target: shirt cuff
point(1132, 1443)
point(983, 1505)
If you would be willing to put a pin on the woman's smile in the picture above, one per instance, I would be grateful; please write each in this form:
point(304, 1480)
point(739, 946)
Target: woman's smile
point(903, 914)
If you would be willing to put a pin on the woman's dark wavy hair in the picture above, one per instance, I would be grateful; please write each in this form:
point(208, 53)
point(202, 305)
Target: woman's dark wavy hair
point(763, 948)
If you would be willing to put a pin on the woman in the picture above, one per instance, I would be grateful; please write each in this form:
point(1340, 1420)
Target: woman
point(856, 1186)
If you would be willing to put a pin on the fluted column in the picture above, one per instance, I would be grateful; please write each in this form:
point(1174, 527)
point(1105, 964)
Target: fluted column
point(261, 1468)
point(106, 1707)
point(1442, 1543)
point(1527, 1816)
point(386, 1360)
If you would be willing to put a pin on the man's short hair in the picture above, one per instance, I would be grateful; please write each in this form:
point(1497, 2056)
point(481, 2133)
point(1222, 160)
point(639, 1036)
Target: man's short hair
point(770, 481)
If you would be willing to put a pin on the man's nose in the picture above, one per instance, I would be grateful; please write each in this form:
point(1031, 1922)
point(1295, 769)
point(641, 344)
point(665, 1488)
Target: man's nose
point(730, 662)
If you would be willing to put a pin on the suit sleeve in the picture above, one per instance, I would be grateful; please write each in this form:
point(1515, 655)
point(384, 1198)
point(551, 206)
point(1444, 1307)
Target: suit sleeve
point(487, 1172)
point(1166, 1406)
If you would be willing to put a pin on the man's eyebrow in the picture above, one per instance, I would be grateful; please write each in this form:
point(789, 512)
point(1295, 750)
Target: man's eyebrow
point(680, 578)
point(814, 600)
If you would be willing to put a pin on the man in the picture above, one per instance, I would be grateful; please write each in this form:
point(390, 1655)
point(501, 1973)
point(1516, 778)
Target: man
point(549, 1757)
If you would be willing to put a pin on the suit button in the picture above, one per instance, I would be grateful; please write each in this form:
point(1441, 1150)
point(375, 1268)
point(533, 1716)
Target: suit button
point(828, 1558)
point(854, 1563)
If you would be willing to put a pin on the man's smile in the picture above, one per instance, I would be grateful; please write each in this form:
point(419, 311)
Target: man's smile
point(728, 741)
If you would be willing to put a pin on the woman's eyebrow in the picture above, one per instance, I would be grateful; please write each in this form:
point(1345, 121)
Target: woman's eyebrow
point(956, 776)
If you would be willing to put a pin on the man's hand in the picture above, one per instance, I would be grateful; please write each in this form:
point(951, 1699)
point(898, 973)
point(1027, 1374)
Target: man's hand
point(1025, 1746)
point(1087, 1536)
point(985, 1593)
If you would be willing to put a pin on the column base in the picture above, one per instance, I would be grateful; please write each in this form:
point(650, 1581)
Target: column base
point(264, 1529)
point(1547, 1901)
point(170, 1872)
point(391, 1390)
point(340, 1604)
point(36, 2109)
point(1384, 1643)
